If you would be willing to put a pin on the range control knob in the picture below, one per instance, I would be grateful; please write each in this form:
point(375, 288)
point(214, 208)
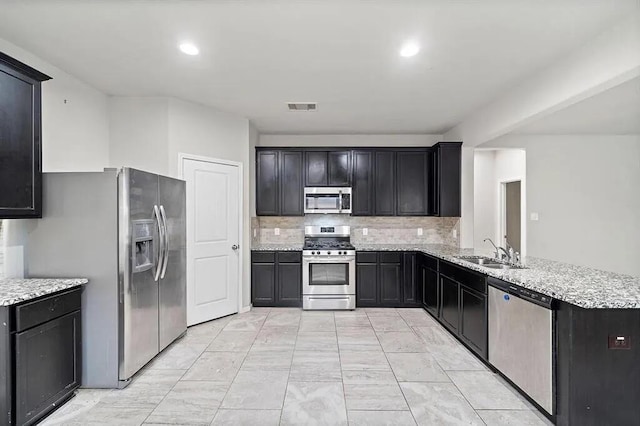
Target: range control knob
point(328, 252)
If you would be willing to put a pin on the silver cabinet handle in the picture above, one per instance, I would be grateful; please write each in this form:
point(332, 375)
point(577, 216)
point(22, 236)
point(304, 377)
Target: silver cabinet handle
point(156, 214)
point(235, 247)
point(166, 242)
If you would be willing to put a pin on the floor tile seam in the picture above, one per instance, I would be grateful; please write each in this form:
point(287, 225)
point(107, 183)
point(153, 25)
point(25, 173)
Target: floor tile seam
point(165, 395)
point(231, 382)
point(464, 397)
point(396, 379)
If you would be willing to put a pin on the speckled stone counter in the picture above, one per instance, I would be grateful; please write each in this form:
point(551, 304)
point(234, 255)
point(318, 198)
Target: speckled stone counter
point(578, 285)
point(276, 247)
point(14, 291)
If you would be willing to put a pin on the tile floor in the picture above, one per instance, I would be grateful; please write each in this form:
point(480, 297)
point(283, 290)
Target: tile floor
point(289, 367)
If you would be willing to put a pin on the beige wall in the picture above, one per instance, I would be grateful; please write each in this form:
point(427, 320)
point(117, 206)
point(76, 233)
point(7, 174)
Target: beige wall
point(585, 190)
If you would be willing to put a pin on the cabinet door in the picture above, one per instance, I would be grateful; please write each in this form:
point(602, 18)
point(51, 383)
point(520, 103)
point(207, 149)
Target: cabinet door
point(267, 188)
point(449, 179)
point(367, 284)
point(362, 184)
point(263, 284)
point(473, 319)
point(20, 145)
point(412, 294)
point(434, 182)
point(412, 183)
point(339, 165)
point(390, 282)
point(291, 184)
point(47, 366)
point(449, 303)
point(385, 183)
point(430, 290)
point(289, 290)
point(315, 168)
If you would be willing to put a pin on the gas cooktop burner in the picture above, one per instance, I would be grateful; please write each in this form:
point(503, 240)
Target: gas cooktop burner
point(323, 245)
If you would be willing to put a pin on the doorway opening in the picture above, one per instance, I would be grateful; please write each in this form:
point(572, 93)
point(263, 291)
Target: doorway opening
point(511, 226)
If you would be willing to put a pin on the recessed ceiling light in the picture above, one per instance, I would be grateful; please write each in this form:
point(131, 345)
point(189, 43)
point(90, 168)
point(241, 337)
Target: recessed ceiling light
point(189, 49)
point(409, 49)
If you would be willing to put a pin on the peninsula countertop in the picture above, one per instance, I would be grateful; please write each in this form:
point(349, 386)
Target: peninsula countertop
point(581, 286)
point(13, 290)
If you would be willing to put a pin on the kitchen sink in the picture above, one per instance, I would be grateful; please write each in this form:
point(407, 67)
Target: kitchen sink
point(489, 262)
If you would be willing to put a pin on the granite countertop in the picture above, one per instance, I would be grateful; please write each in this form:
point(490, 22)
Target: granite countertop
point(578, 285)
point(276, 247)
point(13, 291)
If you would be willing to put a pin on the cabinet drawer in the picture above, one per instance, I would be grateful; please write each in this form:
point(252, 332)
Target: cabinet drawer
point(263, 256)
point(390, 257)
point(42, 310)
point(366, 257)
point(430, 262)
point(464, 276)
point(289, 257)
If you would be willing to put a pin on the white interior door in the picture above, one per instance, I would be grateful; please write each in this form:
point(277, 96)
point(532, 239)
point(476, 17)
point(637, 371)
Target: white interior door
point(213, 235)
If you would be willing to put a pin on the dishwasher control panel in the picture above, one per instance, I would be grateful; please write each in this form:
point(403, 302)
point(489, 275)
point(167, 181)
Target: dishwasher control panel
point(521, 292)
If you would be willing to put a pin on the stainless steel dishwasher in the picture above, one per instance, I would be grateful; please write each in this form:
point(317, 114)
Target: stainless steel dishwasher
point(521, 339)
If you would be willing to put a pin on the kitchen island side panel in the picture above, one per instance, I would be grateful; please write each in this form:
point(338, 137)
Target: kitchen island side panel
point(598, 380)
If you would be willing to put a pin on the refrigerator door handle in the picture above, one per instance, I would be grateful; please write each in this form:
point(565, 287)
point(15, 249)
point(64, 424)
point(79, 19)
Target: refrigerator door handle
point(165, 260)
point(161, 237)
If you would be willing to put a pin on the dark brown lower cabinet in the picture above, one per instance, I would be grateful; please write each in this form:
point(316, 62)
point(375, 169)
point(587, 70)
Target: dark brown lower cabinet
point(367, 284)
point(41, 349)
point(449, 303)
point(276, 278)
point(427, 277)
point(387, 279)
point(473, 319)
point(463, 306)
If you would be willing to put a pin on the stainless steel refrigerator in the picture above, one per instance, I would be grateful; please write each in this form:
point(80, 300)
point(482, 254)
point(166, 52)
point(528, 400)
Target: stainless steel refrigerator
point(125, 231)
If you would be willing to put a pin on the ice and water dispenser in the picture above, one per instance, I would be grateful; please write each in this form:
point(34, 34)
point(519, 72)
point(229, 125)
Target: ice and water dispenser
point(142, 237)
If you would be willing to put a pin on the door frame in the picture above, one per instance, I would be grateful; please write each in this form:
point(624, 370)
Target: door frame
point(184, 156)
point(502, 209)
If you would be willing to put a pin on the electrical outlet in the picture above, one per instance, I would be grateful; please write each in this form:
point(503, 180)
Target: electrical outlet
point(365, 231)
point(419, 231)
point(534, 217)
point(455, 233)
point(276, 231)
point(255, 232)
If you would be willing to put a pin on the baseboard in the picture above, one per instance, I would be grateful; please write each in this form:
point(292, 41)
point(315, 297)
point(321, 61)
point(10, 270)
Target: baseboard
point(245, 309)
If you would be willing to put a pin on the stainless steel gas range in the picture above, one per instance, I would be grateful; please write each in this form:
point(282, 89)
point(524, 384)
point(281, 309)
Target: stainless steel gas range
point(328, 268)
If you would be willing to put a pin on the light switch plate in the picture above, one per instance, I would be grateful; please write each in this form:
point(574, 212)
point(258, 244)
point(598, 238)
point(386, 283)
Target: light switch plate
point(419, 231)
point(534, 216)
point(365, 231)
point(276, 231)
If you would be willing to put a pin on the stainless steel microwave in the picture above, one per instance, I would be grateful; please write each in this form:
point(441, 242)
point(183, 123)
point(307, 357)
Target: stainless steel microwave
point(327, 200)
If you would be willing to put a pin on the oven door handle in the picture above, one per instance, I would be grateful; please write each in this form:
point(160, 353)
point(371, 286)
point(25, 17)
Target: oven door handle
point(328, 298)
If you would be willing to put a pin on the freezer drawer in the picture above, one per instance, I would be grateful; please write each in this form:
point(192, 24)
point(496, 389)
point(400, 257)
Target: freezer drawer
point(521, 344)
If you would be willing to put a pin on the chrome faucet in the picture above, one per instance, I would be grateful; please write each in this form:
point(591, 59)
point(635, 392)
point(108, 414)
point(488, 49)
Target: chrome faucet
point(497, 252)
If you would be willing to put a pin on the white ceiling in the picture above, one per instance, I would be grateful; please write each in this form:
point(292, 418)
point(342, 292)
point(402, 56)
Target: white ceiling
point(257, 55)
point(613, 112)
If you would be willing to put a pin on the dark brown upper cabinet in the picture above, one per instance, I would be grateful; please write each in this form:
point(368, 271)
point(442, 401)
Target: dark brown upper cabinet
point(384, 181)
point(362, 184)
point(315, 168)
point(20, 139)
point(327, 168)
point(412, 183)
point(279, 183)
point(445, 179)
point(267, 183)
point(385, 187)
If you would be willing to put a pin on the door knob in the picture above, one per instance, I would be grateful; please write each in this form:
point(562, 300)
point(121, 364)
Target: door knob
point(235, 247)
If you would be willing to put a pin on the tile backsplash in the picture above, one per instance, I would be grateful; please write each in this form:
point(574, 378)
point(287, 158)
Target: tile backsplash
point(381, 230)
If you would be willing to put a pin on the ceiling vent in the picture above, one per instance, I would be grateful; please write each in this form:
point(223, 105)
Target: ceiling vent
point(302, 106)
